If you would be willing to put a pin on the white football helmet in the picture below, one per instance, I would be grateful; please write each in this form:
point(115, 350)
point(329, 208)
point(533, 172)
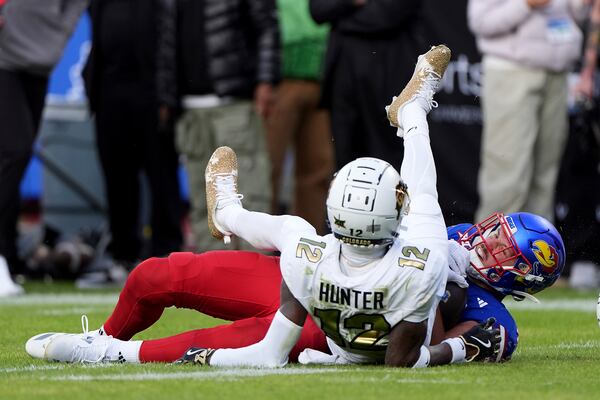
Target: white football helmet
point(366, 202)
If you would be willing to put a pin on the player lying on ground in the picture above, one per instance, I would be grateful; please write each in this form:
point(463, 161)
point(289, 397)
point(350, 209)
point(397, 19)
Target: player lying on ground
point(212, 283)
point(375, 286)
point(244, 287)
point(515, 255)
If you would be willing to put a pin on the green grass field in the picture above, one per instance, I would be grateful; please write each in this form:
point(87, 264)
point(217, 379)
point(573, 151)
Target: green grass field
point(558, 358)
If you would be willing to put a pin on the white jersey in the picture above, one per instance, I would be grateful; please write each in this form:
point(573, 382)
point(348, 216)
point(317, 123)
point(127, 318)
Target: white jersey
point(358, 312)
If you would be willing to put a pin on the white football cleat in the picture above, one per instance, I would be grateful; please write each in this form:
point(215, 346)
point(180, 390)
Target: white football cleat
point(221, 188)
point(424, 83)
point(36, 346)
point(78, 348)
point(54, 346)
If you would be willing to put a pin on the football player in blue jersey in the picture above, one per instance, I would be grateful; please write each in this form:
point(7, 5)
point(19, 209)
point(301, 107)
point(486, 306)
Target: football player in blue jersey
point(515, 255)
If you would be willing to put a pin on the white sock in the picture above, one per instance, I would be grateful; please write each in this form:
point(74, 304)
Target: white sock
point(270, 352)
point(414, 119)
point(227, 216)
point(124, 351)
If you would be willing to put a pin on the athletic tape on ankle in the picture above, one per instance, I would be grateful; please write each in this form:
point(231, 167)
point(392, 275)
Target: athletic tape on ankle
point(459, 350)
point(424, 358)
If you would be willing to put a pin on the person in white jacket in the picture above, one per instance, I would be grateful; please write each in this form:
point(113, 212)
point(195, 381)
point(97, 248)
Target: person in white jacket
point(528, 47)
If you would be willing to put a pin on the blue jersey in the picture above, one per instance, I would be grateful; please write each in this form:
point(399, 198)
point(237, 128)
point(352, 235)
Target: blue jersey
point(482, 304)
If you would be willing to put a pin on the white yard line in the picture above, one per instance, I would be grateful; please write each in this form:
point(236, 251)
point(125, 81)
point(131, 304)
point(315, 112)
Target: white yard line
point(241, 373)
point(430, 381)
point(33, 368)
point(51, 367)
point(80, 299)
point(590, 344)
point(220, 374)
point(388, 378)
point(70, 311)
point(554, 304)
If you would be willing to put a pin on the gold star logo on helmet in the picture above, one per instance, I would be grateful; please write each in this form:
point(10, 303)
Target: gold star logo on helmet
point(339, 222)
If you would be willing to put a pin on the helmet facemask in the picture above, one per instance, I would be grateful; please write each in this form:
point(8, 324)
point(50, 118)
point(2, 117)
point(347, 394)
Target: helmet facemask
point(494, 251)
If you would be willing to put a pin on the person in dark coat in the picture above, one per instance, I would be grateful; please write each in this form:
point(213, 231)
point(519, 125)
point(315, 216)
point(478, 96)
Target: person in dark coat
point(371, 50)
point(125, 81)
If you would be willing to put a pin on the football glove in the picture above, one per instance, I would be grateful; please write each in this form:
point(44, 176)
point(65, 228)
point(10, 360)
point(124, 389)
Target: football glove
point(458, 261)
point(196, 355)
point(482, 341)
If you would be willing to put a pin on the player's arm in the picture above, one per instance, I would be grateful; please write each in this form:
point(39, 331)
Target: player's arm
point(406, 340)
point(406, 349)
point(505, 348)
point(271, 352)
point(449, 312)
point(452, 305)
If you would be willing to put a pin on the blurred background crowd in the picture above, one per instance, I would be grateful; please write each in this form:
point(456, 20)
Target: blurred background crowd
point(110, 109)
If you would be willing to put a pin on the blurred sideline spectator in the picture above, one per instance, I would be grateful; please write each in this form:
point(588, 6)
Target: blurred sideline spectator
point(370, 54)
point(228, 62)
point(585, 87)
point(528, 47)
point(578, 202)
point(296, 120)
point(131, 92)
point(578, 198)
point(32, 38)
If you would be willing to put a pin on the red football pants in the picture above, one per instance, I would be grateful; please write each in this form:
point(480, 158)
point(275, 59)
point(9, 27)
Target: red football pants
point(232, 285)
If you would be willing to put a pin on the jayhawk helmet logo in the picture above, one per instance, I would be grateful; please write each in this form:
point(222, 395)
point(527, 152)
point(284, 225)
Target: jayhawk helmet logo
point(545, 254)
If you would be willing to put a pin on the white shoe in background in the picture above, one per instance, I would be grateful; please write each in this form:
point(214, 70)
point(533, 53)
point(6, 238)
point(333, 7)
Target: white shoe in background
point(584, 275)
point(7, 286)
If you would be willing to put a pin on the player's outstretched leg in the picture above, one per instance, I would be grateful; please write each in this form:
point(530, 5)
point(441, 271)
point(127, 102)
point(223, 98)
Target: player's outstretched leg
point(424, 83)
point(221, 188)
point(87, 347)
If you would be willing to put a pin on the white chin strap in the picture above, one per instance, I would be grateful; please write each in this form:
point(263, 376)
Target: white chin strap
point(520, 296)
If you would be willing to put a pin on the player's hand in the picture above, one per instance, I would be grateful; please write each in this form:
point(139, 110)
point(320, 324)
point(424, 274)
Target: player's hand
point(264, 98)
point(164, 114)
point(482, 341)
point(196, 355)
point(165, 119)
point(584, 89)
point(458, 260)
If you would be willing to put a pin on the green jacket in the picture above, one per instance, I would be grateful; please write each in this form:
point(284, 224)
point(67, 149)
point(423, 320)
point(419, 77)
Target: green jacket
point(303, 41)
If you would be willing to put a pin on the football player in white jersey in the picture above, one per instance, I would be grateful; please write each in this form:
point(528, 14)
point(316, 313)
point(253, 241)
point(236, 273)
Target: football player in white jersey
point(374, 285)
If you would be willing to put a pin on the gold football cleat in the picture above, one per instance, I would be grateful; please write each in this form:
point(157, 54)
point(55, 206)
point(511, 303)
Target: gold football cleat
point(221, 188)
point(425, 81)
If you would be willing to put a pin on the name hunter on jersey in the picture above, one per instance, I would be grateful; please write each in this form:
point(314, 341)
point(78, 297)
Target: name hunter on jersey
point(333, 294)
